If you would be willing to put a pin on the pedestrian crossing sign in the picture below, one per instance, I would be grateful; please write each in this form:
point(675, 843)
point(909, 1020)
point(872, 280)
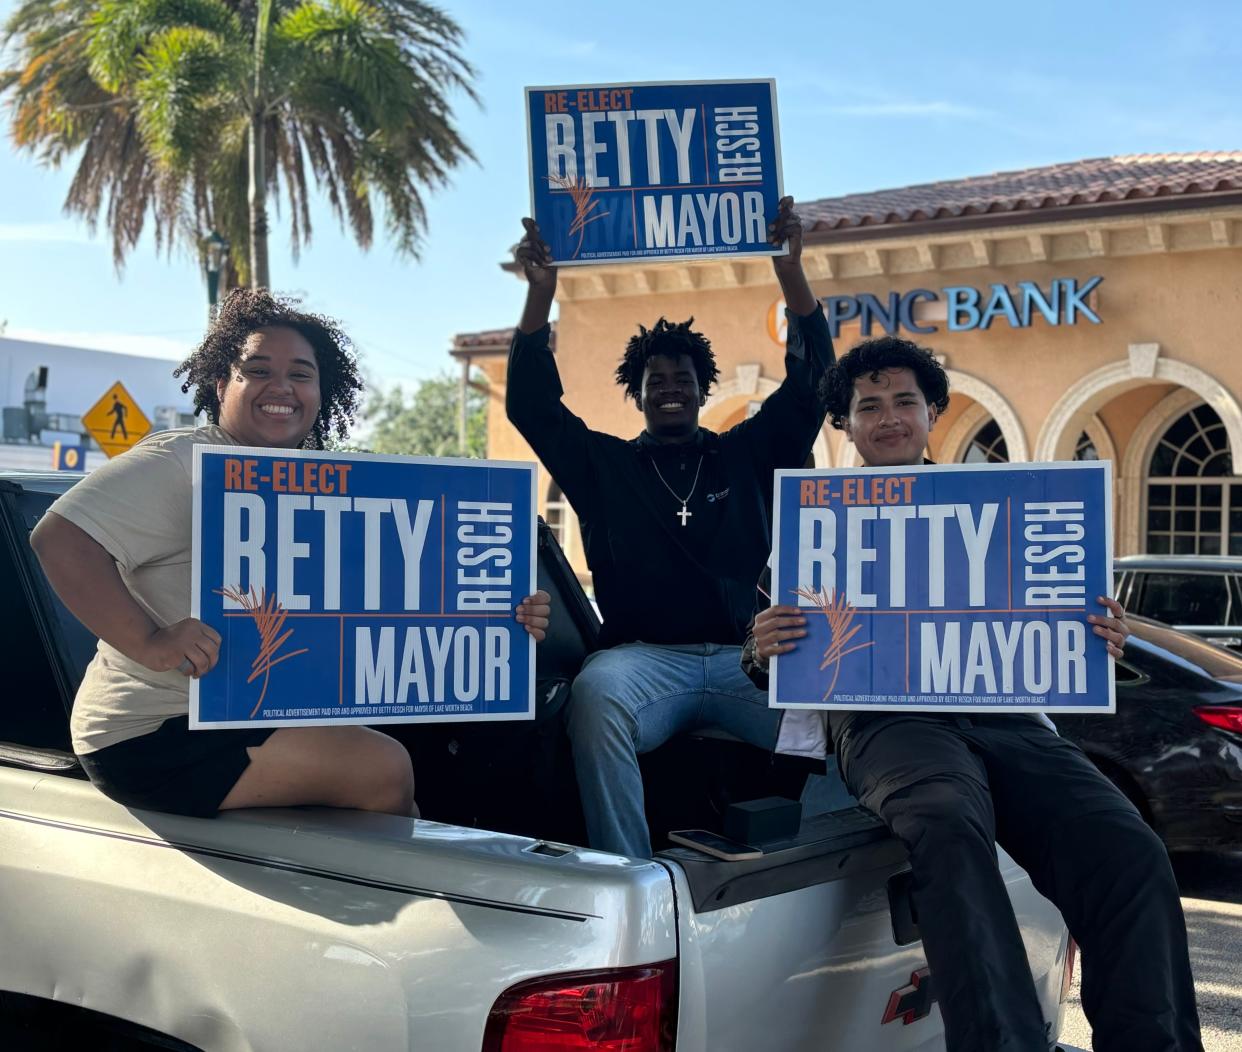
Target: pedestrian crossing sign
point(115, 421)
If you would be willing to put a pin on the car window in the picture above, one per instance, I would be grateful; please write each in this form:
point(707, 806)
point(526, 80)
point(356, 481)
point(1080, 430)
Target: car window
point(34, 712)
point(1183, 598)
point(1123, 585)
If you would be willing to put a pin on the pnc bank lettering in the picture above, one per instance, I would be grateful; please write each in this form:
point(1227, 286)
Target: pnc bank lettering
point(1063, 302)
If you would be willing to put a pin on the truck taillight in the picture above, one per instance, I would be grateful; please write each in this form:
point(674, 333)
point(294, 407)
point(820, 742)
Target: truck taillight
point(1067, 976)
point(1226, 717)
point(614, 1010)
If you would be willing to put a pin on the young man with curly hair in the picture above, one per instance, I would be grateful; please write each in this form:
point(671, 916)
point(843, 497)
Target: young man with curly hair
point(676, 526)
point(117, 550)
point(952, 786)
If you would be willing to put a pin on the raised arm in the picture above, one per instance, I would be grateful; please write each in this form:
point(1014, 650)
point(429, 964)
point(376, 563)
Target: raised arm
point(533, 389)
point(787, 227)
point(783, 431)
point(535, 258)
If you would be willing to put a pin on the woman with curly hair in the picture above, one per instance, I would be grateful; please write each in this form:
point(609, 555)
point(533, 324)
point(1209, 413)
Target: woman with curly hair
point(117, 550)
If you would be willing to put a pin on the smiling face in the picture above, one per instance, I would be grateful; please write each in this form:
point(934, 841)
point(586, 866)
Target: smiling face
point(671, 398)
point(272, 396)
point(889, 418)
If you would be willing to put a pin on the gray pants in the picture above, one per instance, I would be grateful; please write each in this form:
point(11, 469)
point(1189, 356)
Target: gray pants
point(951, 788)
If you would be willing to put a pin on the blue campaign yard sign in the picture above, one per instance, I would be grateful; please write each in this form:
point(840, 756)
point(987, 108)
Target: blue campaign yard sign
point(362, 588)
point(688, 170)
point(945, 587)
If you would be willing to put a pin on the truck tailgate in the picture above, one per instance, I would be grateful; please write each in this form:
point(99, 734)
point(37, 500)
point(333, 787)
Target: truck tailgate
point(301, 928)
point(800, 952)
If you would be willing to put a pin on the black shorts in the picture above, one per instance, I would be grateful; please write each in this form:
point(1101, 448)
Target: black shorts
point(174, 769)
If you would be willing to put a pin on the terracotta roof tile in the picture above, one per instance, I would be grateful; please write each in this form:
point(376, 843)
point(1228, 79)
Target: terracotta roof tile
point(490, 341)
point(1098, 181)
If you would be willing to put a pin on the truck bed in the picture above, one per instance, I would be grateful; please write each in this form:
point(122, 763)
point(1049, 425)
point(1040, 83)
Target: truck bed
point(314, 928)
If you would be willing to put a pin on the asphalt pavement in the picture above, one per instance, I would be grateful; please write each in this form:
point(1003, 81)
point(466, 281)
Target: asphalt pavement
point(1212, 898)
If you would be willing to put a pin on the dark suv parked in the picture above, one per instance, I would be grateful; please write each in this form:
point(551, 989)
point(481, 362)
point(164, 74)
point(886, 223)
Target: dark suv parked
point(1195, 593)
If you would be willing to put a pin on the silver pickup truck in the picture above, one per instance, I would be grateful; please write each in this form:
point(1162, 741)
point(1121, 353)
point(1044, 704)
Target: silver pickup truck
point(313, 929)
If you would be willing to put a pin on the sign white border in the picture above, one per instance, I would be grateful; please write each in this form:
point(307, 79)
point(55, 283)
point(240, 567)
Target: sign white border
point(654, 260)
point(1056, 465)
point(206, 449)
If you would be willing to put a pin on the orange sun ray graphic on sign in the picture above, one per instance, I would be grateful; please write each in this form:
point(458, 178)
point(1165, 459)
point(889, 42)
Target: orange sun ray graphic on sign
point(269, 618)
point(840, 615)
point(584, 202)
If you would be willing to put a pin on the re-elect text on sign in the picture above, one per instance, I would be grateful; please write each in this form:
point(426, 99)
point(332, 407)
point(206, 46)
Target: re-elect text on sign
point(945, 587)
point(646, 171)
point(360, 588)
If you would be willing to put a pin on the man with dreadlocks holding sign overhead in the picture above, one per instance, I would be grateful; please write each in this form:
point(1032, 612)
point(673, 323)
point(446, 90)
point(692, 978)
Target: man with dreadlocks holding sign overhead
point(676, 524)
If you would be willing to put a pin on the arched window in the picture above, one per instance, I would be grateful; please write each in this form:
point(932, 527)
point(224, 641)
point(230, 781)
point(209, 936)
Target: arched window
point(1194, 501)
point(556, 511)
point(1085, 449)
point(988, 446)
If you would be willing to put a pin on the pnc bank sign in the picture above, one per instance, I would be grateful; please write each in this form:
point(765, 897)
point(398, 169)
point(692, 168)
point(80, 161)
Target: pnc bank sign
point(961, 308)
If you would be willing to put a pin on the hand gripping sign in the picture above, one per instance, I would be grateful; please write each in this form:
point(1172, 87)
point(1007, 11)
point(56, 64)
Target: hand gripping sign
point(361, 588)
point(687, 170)
point(949, 588)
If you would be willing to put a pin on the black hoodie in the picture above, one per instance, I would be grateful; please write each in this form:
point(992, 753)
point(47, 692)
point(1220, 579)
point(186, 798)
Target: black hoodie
point(655, 579)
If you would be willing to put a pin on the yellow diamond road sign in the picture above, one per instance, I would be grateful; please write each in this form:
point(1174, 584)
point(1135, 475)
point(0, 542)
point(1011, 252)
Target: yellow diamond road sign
point(115, 421)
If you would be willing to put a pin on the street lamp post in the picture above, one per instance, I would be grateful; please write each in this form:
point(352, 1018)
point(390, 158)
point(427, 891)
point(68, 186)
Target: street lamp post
point(217, 255)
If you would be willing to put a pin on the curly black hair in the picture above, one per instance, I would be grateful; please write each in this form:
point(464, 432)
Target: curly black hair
point(670, 339)
point(246, 311)
point(869, 358)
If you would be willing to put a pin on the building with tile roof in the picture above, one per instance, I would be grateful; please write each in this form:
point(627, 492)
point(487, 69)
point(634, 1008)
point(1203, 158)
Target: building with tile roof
point(1086, 309)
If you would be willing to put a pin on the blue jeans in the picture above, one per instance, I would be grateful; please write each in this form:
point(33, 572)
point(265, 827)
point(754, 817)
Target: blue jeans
point(634, 697)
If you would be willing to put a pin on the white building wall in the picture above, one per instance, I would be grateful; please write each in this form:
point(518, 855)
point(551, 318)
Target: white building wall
point(77, 378)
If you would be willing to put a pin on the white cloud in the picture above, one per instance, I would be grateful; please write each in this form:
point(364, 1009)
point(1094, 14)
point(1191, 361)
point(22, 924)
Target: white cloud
point(44, 232)
point(145, 346)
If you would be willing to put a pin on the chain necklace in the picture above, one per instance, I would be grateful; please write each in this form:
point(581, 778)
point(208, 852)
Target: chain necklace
point(683, 514)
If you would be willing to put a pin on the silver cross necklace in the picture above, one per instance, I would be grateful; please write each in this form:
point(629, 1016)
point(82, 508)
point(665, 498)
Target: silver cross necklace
point(683, 514)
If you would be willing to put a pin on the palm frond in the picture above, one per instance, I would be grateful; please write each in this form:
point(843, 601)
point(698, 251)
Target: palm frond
point(152, 100)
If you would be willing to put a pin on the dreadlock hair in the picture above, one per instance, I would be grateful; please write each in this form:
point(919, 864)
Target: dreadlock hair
point(669, 339)
point(246, 311)
point(869, 358)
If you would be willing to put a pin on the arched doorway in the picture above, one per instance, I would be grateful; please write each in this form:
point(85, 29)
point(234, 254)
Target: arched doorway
point(1193, 498)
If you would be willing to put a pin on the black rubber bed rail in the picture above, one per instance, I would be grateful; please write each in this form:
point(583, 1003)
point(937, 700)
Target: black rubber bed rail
point(828, 847)
point(50, 761)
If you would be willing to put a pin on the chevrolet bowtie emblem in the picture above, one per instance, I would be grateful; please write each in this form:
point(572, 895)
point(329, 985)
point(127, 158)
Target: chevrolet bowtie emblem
point(911, 1002)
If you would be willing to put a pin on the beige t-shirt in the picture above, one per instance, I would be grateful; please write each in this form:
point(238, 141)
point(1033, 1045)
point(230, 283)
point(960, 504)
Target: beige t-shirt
point(139, 507)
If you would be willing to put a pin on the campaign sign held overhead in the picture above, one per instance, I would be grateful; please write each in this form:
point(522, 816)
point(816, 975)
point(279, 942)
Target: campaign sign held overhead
point(361, 588)
point(688, 170)
point(945, 587)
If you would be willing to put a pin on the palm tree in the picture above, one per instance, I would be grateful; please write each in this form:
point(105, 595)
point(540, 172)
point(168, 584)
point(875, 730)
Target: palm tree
point(193, 112)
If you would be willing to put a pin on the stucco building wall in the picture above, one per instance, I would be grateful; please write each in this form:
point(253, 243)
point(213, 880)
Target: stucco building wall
point(1169, 338)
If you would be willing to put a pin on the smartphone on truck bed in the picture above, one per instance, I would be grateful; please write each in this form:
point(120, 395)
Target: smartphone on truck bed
point(714, 844)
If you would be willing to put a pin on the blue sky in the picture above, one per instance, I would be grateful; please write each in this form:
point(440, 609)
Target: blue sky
point(871, 96)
